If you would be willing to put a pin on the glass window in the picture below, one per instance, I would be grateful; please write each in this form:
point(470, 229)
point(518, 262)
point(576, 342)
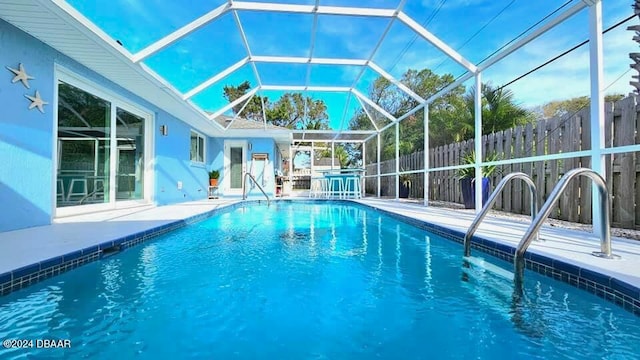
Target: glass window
point(130, 156)
point(197, 147)
point(101, 150)
point(83, 147)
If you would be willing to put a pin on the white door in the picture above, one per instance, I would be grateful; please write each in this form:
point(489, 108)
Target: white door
point(235, 166)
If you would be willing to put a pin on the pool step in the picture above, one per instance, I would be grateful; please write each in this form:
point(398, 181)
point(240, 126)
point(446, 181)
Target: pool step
point(493, 287)
point(481, 265)
point(491, 283)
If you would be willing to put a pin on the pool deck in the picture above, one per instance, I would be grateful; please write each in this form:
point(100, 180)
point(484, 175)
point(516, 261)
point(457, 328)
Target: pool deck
point(29, 246)
point(24, 247)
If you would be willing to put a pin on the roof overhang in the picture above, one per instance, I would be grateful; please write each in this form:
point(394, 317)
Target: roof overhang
point(355, 136)
point(60, 26)
point(279, 136)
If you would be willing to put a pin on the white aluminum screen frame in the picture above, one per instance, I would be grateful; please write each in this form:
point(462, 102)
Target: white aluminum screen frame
point(596, 70)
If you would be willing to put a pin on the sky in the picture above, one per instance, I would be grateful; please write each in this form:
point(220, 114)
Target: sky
point(474, 28)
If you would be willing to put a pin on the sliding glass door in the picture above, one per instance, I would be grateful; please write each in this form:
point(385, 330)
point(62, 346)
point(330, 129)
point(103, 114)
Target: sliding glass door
point(130, 156)
point(84, 137)
point(100, 150)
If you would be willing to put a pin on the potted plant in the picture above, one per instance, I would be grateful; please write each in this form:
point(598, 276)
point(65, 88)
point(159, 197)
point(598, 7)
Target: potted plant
point(405, 185)
point(213, 177)
point(467, 179)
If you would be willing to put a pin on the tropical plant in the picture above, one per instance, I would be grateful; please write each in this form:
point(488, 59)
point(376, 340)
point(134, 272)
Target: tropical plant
point(214, 174)
point(499, 111)
point(340, 154)
point(470, 172)
point(405, 179)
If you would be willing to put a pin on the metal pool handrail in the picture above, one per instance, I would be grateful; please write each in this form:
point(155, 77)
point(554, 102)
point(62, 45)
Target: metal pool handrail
point(244, 187)
point(494, 195)
point(605, 237)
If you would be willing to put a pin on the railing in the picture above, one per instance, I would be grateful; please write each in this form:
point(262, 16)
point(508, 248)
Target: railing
point(534, 228)
point(244, 187)
point(492, 199)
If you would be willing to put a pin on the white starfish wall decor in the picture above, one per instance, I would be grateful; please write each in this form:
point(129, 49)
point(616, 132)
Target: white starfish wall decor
point(36, 101)
point(21, 75)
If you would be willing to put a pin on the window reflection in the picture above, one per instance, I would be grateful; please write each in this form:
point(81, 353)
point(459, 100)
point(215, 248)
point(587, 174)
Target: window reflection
point(130, 156)
point(197, 148)
point(83, 147)
point(84, 150)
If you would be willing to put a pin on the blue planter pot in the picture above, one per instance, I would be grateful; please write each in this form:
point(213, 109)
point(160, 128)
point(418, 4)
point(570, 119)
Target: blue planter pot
point(403, 191)
point(469, 192)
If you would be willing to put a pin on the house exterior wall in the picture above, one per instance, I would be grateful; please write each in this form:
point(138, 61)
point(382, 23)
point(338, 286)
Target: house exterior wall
point(172, 164)
point(263, 172)
point(26, 142)
point(27, 169)
point(258, 145)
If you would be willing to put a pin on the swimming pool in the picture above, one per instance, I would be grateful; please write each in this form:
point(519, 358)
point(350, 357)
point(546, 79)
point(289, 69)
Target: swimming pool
point(308, 280)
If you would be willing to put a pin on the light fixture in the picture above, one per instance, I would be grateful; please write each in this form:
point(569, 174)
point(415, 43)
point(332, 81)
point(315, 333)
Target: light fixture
point(250, 146)
point(164, 130)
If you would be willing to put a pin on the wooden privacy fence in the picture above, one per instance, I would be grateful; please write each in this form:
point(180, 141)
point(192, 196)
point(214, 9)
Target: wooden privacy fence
point(557, 135)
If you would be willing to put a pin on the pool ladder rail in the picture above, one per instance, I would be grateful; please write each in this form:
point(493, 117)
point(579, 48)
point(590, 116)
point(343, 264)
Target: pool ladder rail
point(538, 218)
point(605, 222)
point(244, 187)
point(492, 199)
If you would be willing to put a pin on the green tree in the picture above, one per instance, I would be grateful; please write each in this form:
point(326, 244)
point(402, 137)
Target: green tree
point(569, 106)
point(451, 116)
point(443, 112)
point(253, 110)
point(292, 110)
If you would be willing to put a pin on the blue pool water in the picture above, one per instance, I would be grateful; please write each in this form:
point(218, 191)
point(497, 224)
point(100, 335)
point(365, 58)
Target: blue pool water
point(308, 281)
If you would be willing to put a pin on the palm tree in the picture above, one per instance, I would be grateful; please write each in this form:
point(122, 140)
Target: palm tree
point(343, 156)
point(499, 111)
point(340, 153)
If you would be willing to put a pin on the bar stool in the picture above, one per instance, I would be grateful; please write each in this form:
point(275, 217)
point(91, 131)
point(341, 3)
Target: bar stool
point(318, 187)
point(84, 191)
point(336, 184)
point(352, 187)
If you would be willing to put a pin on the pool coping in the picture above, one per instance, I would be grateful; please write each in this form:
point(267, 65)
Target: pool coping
point(24, 276)
point(607, 287)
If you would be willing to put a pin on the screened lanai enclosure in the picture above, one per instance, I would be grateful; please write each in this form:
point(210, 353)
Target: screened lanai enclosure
point(381, 81)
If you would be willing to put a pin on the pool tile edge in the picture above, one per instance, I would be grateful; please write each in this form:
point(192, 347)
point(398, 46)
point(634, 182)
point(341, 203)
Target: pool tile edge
point(24, 276)
point(609, 288)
